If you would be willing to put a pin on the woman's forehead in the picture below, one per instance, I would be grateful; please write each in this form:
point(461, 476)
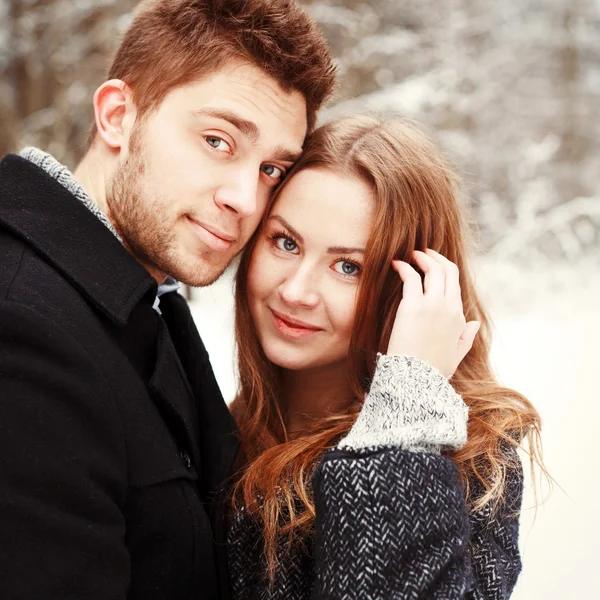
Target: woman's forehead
point(326, 206)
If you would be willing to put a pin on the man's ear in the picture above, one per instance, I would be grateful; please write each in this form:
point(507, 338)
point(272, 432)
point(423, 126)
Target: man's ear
point(114, 113)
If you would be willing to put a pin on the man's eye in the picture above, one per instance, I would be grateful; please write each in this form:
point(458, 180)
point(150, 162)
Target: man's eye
point(273, 171)
point(217, 143)
point(345, 267)
point(287, 244)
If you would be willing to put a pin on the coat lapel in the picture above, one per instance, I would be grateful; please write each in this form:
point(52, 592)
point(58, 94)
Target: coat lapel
point(39, 210)
point(216, 427)
point(43, 213)
point(171, 390)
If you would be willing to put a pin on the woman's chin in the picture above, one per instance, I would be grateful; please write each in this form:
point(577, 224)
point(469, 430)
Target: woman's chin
point(291, 363)
point(291, 359)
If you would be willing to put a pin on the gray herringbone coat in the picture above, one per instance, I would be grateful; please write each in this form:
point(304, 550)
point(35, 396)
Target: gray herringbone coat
point(392, 521)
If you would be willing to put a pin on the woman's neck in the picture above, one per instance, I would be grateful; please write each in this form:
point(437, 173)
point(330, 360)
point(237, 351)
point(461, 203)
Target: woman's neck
point(312, 394)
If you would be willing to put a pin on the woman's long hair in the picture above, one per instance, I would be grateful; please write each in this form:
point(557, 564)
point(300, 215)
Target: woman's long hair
point(416, 207)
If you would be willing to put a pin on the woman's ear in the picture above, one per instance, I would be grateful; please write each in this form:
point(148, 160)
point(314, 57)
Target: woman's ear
point(114, 113)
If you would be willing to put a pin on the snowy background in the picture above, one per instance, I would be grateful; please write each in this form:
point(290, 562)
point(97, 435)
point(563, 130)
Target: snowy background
point(511, 91)
point(546, 346)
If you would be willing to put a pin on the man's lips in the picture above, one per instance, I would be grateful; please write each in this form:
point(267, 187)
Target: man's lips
point(213, 236)
point(215, 231)
point(294, 323)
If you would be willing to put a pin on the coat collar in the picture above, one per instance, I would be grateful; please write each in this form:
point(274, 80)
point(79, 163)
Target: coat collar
point(39, 210)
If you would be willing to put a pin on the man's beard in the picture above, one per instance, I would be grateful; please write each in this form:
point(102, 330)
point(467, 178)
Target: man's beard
point(146, 226)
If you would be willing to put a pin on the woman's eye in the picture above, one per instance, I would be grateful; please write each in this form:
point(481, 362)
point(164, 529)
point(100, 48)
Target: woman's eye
point(217, 143)
point(287, 244)
point(345, 267)
point(273, 171)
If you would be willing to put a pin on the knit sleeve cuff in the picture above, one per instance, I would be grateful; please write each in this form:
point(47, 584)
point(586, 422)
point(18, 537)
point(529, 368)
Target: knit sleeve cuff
point(410, 405)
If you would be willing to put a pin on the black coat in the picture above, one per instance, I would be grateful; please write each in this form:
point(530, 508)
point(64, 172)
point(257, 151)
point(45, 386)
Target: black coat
point(114, 437)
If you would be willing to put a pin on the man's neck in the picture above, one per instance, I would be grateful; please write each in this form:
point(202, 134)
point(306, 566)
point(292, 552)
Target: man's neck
point(88, 185)
point(91, 175)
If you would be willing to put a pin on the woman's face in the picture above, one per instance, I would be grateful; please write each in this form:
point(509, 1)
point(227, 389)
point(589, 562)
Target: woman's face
point(305, 268)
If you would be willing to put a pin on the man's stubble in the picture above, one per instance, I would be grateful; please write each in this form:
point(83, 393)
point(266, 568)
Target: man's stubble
point(146, 225)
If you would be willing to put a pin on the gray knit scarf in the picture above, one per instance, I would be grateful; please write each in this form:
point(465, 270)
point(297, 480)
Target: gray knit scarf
point(62, 174)
point(48, 163)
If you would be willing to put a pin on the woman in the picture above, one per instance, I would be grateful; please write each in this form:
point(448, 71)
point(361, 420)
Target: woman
point(378, 455)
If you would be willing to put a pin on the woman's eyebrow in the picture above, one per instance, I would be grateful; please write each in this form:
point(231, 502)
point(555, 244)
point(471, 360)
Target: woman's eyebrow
point(287, 226)
point(344, 250)
point(330, 250)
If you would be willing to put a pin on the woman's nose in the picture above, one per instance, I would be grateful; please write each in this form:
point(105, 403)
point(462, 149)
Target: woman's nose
point(299, 289)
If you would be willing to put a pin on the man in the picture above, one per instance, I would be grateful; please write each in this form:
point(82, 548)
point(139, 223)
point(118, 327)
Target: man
point(115, 442)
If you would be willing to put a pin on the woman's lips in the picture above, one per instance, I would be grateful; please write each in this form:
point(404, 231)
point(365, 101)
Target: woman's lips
point(292, 328)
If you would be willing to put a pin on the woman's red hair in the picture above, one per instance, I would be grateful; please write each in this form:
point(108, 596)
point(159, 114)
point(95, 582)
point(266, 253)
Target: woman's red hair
point(416, 207)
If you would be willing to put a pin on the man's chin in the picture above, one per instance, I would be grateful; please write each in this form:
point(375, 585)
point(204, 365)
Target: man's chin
point(200, 281)
point(201, 274)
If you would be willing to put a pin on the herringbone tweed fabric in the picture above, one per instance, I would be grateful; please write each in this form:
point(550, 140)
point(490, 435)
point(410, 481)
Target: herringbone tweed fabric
point(392, 523)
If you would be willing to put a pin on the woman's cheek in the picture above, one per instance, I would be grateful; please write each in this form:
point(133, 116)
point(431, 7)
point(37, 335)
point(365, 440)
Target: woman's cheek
point(342, 308)
point(254, 277)
point(262, 271)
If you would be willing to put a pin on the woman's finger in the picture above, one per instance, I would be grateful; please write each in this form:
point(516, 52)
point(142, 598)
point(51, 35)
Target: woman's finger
point(411, 279)
point(452, 290)
point(435, 275)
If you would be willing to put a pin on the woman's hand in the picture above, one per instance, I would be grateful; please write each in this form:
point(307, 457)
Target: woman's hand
point(430, 323)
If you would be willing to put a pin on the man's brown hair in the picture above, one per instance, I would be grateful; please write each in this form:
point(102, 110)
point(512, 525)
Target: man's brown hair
point(173, 42)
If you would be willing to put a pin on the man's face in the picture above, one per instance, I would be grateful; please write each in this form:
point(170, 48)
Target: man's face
point(194, 182)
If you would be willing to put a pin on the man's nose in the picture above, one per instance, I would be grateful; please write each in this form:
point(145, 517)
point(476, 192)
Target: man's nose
point(300, 288)
point(240, 193)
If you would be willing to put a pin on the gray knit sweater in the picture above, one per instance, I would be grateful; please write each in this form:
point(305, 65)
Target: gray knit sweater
point(392, 520)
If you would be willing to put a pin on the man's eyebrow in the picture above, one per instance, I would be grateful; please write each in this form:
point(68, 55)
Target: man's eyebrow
point(248, 128)
point(286, 155)
point(287, 226)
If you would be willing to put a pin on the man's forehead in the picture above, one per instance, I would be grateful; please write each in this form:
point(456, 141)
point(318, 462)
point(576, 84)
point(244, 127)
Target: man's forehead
point(247, 74)
point(252, 84)
point(263, 112)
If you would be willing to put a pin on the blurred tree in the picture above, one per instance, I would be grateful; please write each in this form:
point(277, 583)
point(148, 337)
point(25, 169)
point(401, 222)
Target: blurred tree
point(509, 89)
point(53, 56)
